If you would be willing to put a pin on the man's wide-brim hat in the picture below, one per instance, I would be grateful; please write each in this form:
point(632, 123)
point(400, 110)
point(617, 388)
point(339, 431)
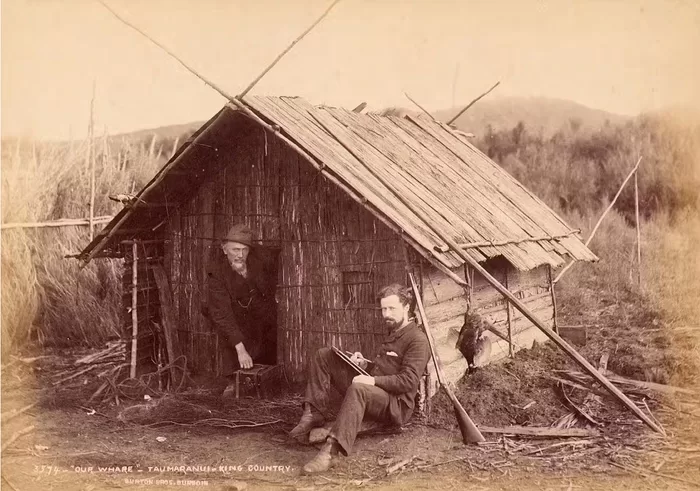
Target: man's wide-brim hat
point(240, 233)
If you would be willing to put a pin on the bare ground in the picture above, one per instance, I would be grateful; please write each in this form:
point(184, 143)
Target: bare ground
point(87, 446)
point(168, 443)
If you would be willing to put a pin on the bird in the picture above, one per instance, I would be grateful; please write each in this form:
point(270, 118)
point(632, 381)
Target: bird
point(469, 341)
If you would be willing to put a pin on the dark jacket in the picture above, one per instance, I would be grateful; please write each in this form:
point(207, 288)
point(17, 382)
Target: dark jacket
point(243, 309)
point(400, 375)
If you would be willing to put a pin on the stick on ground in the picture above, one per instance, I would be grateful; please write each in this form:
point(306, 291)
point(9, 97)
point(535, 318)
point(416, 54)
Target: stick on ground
point(16, 436)
point(13, 414)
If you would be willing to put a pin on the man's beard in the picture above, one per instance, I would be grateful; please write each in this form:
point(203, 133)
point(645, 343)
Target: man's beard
point(238, 265)
point(393, 324)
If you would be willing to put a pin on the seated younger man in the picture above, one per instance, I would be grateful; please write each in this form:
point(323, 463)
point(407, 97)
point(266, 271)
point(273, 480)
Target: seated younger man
point(387, 394)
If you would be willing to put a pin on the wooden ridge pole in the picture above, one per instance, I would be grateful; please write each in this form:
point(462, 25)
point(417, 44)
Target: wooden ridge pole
point(279, 57)
point(180, 61)
point(472, 103)
point(201, 77)
point(561, 343)
point(600, 220)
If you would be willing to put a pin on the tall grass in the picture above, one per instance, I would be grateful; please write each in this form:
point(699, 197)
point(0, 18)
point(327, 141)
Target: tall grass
point(45, 297)
point(638, 324)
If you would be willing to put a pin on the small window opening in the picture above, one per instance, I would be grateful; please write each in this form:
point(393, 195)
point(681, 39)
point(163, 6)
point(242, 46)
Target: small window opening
point(358, 288)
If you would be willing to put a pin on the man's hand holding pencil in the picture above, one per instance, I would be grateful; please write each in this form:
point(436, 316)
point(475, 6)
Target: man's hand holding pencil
point(358, 359)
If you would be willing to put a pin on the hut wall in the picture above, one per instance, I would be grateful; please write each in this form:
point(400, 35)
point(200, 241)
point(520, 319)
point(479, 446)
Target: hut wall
point(334, 256)
point(446, 302)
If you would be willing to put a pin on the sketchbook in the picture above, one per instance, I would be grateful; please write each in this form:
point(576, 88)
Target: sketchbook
point(347, 360)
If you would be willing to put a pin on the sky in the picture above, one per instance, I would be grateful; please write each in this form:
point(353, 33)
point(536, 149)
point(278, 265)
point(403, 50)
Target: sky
point(618, 55)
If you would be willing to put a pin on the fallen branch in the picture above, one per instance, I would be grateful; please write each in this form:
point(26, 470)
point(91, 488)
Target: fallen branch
point(16, 436)
point(577, 386)
point(218, 424)
point(458, 459)
point(662, 388)
point(76, 374)
point(398, 465)
point(116, 349)
point(13, 414)
point(648, 473)
point(560, 444)
point(32, 359)
point(580, 411)
point(651, 415)
point(539, 431)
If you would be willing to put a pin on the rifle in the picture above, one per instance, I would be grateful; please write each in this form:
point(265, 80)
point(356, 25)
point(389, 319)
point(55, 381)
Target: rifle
point(470, 433)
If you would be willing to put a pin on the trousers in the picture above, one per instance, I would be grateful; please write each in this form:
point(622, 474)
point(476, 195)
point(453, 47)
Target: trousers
point(327, 371)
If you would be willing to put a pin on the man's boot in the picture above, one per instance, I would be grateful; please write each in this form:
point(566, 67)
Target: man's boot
point(309, 420)
point(322, 461)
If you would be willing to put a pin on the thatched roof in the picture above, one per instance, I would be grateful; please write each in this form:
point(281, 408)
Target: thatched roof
point(466, 195)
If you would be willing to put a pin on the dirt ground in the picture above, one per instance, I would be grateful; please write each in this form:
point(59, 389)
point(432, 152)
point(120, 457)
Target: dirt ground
point(196, 439)
point(164, 443)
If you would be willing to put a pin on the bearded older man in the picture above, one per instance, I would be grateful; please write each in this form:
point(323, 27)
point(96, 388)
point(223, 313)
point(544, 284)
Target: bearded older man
point(242, 306)
point(387, 394)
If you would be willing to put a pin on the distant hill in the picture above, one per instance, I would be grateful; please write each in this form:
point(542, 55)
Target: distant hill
point(537, 113)
point(169, 132)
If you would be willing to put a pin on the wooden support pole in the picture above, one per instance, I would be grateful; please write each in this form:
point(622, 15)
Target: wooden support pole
point(63, 222)
point(554, 299)
point(509, 320)
point(600, 220)
point(419, 106)
point(279, 57)
point(472, 103)
point(638, 225)
point(91, 158)
point(447, 239)
point(134, 308)
point(187, 67)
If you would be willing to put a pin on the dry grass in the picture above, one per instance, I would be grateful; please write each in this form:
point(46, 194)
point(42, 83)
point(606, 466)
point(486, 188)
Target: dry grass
point(653, 328)
point(672, 286)
point(45, 297)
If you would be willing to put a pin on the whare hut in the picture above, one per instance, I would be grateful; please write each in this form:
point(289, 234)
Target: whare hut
point(304, 179)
